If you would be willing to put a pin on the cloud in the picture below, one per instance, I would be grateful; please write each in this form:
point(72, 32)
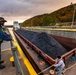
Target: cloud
point(28, 7)
point(25, 8)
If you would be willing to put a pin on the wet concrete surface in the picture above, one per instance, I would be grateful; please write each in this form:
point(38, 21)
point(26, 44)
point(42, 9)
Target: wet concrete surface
point(9, 69)
point(5, 45)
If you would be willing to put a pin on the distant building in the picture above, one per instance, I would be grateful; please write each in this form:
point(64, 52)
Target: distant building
point(16, 25)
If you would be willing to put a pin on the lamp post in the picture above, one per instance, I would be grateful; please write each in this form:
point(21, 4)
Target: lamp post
point(73, 17)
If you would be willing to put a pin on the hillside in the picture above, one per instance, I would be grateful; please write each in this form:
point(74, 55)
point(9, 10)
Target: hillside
point(59, 16)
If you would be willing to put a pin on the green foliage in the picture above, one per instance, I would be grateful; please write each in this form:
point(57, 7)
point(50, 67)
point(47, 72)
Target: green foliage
point(62, 15)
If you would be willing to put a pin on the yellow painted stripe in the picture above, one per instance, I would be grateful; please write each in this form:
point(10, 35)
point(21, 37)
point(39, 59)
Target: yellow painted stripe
point(26, 61)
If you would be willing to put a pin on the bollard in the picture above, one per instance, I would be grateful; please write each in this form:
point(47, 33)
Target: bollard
point(12, 61)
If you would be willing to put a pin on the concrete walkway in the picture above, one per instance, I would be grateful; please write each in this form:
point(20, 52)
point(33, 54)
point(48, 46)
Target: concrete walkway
point(9, 69)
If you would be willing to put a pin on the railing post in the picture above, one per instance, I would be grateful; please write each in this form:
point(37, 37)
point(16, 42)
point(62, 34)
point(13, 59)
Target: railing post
point(19, 70)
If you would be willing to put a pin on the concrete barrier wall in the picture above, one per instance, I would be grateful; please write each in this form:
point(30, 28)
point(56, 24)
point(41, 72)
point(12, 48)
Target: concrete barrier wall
point(66, 33)
point(62, 33)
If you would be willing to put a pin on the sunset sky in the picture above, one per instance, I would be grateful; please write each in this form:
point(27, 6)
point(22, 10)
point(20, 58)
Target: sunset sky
point(20, 10)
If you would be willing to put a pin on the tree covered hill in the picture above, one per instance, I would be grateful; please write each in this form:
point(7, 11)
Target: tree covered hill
point(59, 16)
